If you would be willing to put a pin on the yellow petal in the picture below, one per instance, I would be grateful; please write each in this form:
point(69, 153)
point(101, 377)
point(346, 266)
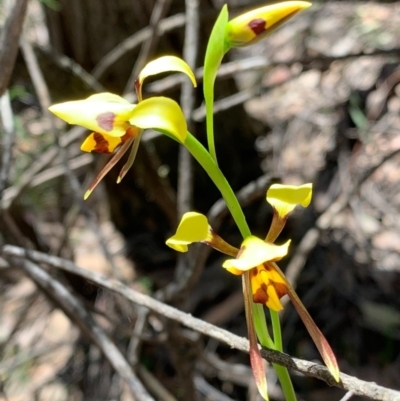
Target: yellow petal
point(254, 25)
point(268, 286)
point(160, 113)
point(166, 64)
point(255, 252)
point(107, 97)
point(100, 143)
point(192, 228)
point(104, 113)
point(284, 198)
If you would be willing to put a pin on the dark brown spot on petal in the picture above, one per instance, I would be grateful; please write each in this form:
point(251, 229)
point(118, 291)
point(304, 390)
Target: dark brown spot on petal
point(106, 120)
point(101, 143)
point(280, 289)
point(260, 296)
point(258, 26)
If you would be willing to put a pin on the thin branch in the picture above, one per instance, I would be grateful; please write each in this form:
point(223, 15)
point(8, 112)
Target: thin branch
point(43, 93)
point(11, 194)
point(310, 239)
point(359, 387)
point(9, 41)
point(7, 120)
point(347, 396)
point(159, 11)
point(130, 43)
point(85, 321)
point(187, 271)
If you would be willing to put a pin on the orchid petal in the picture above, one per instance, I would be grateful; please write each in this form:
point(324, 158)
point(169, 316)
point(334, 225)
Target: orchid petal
point(267, 286)
point(284, 198)
point(255, 252)
point(166, 64)
point(160, 113)
point(100, 143)
point(192, 228)
point(104, 113)
point(250, 27)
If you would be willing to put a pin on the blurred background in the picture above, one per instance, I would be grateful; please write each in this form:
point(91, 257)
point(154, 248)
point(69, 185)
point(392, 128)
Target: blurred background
point(317, 101)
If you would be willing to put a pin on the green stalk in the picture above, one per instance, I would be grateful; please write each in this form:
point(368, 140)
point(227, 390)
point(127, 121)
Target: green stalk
point(276, 328)
point(210, 166)
point(204, 158)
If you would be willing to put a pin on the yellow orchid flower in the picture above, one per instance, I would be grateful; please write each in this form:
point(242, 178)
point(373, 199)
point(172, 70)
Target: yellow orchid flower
point(283, 199)
point(118, 124)
point(269, 285)
point(266, 283)
point(250, 27)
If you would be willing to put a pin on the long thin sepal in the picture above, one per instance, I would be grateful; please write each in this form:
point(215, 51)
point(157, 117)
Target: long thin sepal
point(257, 363)
point(114, 160)
point(319, 339)
point(131, 158)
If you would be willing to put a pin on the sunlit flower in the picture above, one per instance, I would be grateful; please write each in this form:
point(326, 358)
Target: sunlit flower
point(118, 124)
point(250, 27)
point(268, 287)
point(258, 257)
point(284, 199)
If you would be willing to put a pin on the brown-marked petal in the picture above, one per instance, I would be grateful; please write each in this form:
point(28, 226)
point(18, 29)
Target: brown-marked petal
point(254, 25)
point(268, 286)
point(109, 117)
point(100, 143)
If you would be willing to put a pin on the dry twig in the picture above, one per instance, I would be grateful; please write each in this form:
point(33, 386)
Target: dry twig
point(9, 41)
point(359, 387)
point(84, 320)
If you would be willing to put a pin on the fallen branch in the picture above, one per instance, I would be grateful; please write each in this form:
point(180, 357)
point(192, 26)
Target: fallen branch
point(358, 387)
point(85, 321)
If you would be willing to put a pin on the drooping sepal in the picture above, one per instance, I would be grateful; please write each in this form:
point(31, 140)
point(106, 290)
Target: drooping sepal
point(319, 339)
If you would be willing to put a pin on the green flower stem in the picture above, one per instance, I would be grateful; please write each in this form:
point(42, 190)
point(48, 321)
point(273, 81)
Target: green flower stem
point(199, 152)
point(276, 328)
point(266, 341)
point(210, 126)
point(210, 166)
